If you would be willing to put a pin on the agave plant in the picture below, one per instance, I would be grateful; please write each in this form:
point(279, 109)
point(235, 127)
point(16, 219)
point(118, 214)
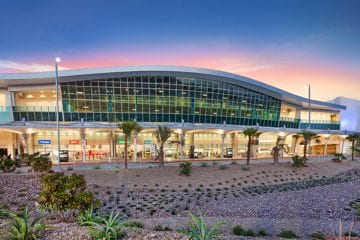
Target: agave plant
point(106, 228)
point(21, 227)
point(199, 230)
point(87, 216)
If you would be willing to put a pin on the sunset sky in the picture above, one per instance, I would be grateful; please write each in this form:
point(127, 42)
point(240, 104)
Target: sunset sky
point(285, 43)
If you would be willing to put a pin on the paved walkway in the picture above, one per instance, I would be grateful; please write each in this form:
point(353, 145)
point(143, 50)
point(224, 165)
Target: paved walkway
point(111, 164)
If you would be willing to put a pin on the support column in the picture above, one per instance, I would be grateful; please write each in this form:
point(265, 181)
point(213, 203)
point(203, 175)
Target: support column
point(135, 146)
point(222, 145)
point(111, 144)
point(234, 143)
point(192, 146)
point(182, 144)
point(326, 145)
point(32, 143)
point(83, 146)
point(293, 144)
point(26, 141)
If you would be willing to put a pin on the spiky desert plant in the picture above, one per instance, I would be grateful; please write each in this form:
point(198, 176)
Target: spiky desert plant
point(22, 226)
point(199, 230)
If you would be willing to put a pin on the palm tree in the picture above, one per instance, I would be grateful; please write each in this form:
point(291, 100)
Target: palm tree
point(353, 138)
point(129, 128)
point(308, 136)
point(162, 135)
point(250, 133)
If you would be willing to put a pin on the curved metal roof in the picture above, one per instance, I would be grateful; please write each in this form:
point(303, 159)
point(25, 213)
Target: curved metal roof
point(39, 78)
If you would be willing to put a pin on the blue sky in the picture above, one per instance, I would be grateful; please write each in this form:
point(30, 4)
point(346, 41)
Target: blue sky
point(258, 38)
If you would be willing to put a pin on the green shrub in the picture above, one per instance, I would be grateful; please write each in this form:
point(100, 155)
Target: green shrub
point(185, 168)
point(262, 233)
point(62, 193)
point(41, 164)
point(97, 167)
point(7, 165)
point(223, 167)
point(318, 236)
point(245, 168)
point(250, 233)
point(199, 230)
point(204, 164)
point(238, 230)
point(338, 157)
point(134, 224)
point(160, 228)
point(22, 226)
point(298, 161)
point(109, 228)
point(288, 234)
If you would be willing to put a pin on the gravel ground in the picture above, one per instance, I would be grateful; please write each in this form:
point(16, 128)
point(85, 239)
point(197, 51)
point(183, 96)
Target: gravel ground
point(169, 176)
point(265, 197)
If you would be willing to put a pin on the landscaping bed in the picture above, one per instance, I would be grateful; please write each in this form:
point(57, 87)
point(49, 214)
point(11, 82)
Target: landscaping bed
point(265, 197)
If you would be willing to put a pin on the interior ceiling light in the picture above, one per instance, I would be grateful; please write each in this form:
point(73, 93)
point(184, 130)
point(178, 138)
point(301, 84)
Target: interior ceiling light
point(79, 92)
point(29, 96)
point(42, 95)
point(85, 107)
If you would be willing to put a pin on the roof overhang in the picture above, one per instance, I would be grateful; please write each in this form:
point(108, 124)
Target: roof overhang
point(46, 78)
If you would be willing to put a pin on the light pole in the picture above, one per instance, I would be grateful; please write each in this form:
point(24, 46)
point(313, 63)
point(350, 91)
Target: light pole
point(57, 61)
point(309, 112)
point(309, 107)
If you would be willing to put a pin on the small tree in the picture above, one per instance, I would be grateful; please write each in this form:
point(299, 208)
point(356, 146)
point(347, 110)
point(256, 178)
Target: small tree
point(250, 133)
point(7, 164)
point(128, 128)
point(41, 164)
point(354, 137)
point(62, 193)
point(185, 168)
point(162, 135)
point(308, 136)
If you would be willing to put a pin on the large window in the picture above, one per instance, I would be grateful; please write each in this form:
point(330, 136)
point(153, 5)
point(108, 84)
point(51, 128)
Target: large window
point(167, 99)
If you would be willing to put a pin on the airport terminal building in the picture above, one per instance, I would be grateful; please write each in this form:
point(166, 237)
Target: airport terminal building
point(207, 110)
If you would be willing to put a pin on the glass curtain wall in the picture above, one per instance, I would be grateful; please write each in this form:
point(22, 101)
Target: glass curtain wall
point(167, 99)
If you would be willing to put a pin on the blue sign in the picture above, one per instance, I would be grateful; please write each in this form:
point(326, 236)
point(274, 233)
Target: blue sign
point(44, 141)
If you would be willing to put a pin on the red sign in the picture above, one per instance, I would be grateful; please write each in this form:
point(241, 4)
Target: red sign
point(74, 141)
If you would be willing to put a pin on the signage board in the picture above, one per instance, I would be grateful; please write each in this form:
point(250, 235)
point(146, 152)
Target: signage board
point(147, 142)
point(74, 141)
point(122, 141)
point(44, 141)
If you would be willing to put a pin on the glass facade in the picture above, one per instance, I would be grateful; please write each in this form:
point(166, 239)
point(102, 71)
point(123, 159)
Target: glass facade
point(167, 99)
point(149, 98)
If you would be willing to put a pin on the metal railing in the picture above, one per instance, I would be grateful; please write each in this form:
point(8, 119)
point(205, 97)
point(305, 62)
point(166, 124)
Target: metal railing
point(48, 114)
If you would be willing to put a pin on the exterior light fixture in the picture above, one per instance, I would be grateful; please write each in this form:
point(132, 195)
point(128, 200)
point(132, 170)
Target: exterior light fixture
point(57, 61)
point(309, 106)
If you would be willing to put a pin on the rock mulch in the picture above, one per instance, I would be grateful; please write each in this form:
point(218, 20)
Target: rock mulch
point(264, 197)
